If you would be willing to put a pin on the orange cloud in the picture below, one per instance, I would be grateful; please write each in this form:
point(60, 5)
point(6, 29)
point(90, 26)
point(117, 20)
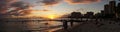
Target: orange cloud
point(81, 1)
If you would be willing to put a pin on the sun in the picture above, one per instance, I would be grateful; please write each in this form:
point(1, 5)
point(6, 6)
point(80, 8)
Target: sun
point(52, 16)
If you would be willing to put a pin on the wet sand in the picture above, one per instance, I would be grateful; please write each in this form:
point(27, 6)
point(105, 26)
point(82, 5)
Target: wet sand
point(92, 26)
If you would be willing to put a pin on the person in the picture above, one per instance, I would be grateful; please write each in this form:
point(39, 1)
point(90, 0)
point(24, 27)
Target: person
point(65, 24)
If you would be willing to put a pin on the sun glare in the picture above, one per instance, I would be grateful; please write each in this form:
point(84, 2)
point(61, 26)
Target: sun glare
point(45, 15)
point(52, 16)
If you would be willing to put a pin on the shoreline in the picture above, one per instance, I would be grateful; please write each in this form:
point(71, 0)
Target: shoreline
point(92, 26)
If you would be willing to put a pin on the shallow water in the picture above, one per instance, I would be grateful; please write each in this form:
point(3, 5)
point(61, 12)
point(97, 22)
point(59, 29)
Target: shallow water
point(30, 26)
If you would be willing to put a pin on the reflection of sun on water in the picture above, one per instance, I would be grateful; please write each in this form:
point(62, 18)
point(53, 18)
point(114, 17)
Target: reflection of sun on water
point(52, 22)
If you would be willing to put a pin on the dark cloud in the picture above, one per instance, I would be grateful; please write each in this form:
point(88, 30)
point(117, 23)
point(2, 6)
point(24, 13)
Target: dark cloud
point(50, 2)
point(4, 5)
point(20, 5)
point(81, 1)
point(53, 2)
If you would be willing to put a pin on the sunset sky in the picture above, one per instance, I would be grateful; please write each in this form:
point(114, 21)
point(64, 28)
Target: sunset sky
point(64, 7)
point(61, 7)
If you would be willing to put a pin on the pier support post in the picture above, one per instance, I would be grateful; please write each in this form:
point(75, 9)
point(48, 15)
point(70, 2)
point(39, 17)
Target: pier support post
point(71, 23)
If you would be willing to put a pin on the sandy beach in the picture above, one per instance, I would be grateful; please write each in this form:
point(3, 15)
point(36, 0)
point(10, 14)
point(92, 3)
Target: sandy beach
point(92, 26)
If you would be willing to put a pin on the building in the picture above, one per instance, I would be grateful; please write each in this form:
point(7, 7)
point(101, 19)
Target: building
point(103, 12)
point(118, 10)
point(112, 7)
point(106, 9)
point(109, 10)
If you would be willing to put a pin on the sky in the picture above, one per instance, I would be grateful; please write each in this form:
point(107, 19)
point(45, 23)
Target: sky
point(61, 7)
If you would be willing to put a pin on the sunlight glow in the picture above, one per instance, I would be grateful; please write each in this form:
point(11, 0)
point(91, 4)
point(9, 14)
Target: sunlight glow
point(35, 13)
point(52, 16)
point(44, 14)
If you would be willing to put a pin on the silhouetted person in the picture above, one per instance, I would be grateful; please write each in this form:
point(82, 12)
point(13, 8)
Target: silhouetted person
point(65, 24)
